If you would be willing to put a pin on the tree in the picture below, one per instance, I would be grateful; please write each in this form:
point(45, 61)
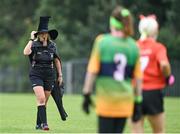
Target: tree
point(78, 22)
point(15, 16)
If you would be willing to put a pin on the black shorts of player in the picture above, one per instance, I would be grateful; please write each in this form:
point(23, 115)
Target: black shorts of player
point(111, 125)
point(44, 77)
point(153, 102)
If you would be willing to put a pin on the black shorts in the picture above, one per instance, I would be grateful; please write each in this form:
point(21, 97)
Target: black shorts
point(42, 77)
point(111, 125)
point(153, 102)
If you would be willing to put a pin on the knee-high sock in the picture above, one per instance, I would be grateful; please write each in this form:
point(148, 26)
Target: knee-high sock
point(42, 113)
point(38, 121)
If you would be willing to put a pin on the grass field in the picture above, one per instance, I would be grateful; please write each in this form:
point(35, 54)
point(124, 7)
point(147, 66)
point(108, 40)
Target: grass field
point(18, 115)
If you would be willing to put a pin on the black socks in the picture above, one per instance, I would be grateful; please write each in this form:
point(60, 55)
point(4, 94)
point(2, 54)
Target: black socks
point(38, 121)
point(41, 115)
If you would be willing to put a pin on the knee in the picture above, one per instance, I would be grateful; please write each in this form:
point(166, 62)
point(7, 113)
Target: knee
point(41, 100)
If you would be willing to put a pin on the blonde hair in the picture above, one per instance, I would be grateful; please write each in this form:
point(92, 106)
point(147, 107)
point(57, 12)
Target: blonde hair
point(48, 36)
point(148, 26)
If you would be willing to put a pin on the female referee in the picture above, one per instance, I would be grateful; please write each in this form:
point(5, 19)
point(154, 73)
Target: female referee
point(44, 60)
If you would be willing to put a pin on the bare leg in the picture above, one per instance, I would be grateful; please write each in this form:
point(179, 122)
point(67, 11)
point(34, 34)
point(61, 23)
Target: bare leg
point(40, 95)
point(138, 127)
point(47, 94)
point(157, 122)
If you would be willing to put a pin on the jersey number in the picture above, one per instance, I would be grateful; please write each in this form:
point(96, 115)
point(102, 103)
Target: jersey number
point(121, 62)
point(144, 62)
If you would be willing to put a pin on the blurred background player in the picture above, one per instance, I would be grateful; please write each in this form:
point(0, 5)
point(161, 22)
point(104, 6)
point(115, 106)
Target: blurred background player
point(115, 61)
point(156, 75)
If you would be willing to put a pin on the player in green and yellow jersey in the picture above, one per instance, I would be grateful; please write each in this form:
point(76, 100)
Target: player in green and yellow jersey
point(115, 62)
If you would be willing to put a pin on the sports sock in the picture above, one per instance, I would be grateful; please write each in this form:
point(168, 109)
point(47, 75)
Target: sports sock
point(42, 114)
point(38, 121)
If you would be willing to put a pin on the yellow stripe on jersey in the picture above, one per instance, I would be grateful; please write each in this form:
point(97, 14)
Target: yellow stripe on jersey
point(137, 71)
point(94, 61)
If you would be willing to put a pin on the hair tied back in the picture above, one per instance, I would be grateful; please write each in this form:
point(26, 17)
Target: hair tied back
point(125, 12)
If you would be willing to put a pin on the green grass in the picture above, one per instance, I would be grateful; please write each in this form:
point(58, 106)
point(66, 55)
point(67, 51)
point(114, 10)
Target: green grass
point(18, 115)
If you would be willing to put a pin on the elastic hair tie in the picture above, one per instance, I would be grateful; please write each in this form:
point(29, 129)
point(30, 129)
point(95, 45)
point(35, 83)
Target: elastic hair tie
point(125, 12)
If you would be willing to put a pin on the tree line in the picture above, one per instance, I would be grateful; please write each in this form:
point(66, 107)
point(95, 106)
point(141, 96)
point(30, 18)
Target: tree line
point(78, 23)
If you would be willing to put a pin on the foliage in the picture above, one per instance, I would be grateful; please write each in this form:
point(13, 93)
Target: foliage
point(15, 18)
point(78, 23)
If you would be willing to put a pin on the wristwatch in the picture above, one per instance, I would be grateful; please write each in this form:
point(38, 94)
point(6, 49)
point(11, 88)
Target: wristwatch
point(31, 39)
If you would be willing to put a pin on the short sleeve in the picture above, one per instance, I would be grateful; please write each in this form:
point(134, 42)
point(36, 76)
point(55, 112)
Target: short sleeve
point(137, 70)
point(53, 48)
point(161, 54)
point(94, 61)
point(33, 47)
point(55, 52)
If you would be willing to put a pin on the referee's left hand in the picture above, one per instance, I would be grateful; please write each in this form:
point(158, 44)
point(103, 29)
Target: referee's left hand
point(60, 80)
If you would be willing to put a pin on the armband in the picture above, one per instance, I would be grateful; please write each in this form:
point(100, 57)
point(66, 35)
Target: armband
point(138, 99)
point(170, 80)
